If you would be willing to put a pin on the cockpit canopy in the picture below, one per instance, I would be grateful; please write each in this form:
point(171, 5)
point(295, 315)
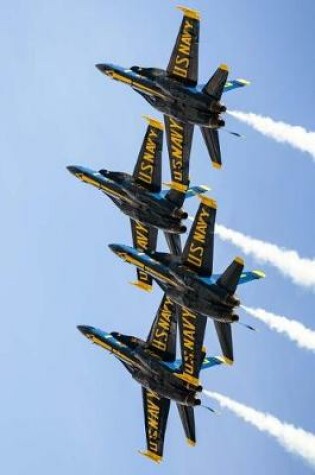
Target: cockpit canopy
point(148, 72)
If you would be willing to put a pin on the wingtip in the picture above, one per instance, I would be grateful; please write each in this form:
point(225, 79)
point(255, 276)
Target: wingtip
point(225, 360)
point(141, 285)
point(189, 12)
point(239, 260)
point(208, 201)
point(153, 122)
point(259, 273)
point(190, 442)
point(217, 165)
point(224, 67)
point(151, 455)
point(245, 82)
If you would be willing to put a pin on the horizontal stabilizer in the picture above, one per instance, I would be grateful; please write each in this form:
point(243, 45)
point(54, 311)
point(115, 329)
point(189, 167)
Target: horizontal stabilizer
point(196, 190)
point(230, 278)
point(235, 84)
point(251, 275)
point(224, 332)
point(211, 138)
point(215, 85)
point(210, 361)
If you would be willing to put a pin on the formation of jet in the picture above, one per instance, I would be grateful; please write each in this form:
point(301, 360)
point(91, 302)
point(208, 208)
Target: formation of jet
point(188, 280)
point(152, 363)
point(191, 292)
point(140, 197)
point(175, 92)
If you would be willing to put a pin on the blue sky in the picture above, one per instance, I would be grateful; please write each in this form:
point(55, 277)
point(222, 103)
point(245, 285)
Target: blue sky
point(66, 406)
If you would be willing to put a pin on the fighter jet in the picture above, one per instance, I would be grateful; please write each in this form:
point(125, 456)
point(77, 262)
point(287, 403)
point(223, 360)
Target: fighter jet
point(175, 92)
point(188, 279)
point(152, 363)
point(140, 197)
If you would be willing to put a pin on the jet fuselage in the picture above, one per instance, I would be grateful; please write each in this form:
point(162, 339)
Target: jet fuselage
point(185, 287)
point(169, 95)
point(145, 367)
point(134, 200)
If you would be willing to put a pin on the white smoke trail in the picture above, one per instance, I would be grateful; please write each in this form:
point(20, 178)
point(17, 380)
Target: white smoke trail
point(300, 270)
point(293, 439)
point(296, 331)
point(294, 135)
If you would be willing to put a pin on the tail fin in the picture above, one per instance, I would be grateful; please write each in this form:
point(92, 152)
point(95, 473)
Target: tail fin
point(230, 278)
point(215, 85)
point(177, 194)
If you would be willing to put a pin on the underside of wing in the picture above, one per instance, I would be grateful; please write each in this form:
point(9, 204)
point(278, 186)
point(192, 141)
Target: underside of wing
point(156, 410)
point(211, 138)
point(179, 137)
point(144, 238)
point(148, 169)
point(187, 416)
point(183, 63)
point(192, 329)
point(162, 336)
point(198, 251)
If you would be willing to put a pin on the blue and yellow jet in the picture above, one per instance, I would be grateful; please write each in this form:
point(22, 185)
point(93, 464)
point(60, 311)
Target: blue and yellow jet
point(140, 197)
point(175, 92)
point(188, 279)
point(152, 363)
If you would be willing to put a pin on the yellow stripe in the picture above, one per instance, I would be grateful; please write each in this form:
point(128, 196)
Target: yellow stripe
point(190, 442)
point(112, 350)
point(189, 12)
point(225, 360)
point(239, 260)
point(189, 379)
point(208, 202)
point(142, 285)
point(151, 455)
point(216, 165)
point(121, 78)
point(154, 122)
point(144, 88)
point(224, 67)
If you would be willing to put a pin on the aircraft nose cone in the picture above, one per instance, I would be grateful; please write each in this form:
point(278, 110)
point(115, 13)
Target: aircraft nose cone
point(115, 248)
point(72, 169)
point(84, 329)
point(102, 67)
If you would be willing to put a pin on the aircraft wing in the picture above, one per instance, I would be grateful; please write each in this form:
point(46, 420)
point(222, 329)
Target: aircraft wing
point(192, 329)
point(198, 250)
point(183, 63)
point(156, 410)
point(162, 336)
point(211, 138)
point(148, 169)
point(187, 415)
point(179, 137)
point(224, 332)
point(144, 238)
